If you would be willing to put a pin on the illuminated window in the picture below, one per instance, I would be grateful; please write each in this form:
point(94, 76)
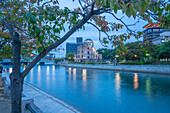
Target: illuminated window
point(155, 29)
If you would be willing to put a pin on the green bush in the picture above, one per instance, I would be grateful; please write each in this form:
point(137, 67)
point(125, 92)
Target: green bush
point(57, 60)
point(90, 62)
point(133, 63)
point(161, 63)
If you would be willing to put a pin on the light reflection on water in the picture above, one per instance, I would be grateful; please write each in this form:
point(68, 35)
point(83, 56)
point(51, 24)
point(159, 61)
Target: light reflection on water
point(31, 75)
point(101, 91)
point(135, 80)
point(148, 87)
point(117, 84)
point(48, 75)
point(39, 74)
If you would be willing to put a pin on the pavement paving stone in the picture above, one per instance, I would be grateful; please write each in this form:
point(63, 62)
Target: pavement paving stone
point(46, 102)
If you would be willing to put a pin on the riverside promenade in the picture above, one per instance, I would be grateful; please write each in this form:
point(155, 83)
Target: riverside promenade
point(45, 102)
point(157, 69)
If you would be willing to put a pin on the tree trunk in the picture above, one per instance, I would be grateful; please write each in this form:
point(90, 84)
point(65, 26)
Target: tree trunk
point(16, 78)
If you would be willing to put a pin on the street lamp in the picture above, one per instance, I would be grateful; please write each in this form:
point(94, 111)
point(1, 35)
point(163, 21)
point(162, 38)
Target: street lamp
point(116, 56)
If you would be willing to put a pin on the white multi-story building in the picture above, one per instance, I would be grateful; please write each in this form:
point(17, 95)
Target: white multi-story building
point(87, 52)
point(155, 34)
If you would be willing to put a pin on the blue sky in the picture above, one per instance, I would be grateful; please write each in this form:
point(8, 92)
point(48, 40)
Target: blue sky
point(91, 32)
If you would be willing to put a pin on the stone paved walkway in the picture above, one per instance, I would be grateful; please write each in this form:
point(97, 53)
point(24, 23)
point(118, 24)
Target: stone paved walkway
point(5, 103)
point(46, 102)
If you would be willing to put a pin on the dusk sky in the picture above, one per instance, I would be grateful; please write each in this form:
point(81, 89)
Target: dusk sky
point(91, 32)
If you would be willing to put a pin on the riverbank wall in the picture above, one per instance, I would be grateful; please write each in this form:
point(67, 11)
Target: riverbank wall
point(39, 100)
point(157, 69)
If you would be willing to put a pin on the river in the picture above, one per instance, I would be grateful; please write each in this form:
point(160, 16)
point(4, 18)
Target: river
point(103, 91)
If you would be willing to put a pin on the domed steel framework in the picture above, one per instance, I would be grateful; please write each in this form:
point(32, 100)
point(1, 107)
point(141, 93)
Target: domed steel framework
point(89, 42)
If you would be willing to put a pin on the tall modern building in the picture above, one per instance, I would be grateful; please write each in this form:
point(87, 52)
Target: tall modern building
point(72, 47)
point(155, 34)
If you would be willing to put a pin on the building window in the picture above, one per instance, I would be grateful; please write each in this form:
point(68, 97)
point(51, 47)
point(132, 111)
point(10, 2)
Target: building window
point(82, 56)
point(88, 52)
point(78, 56)
point(88, 57)
point(78, 51)
point(155, 30)
point(162, 29)
point(82, 51)
point(150, 30)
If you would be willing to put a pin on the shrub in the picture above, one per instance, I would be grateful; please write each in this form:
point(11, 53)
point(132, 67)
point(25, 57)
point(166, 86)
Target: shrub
point(133, 63)
point(57, 60)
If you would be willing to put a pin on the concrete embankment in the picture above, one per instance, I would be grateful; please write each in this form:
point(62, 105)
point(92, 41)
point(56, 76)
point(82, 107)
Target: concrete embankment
point(131, 68)
point(39, 100)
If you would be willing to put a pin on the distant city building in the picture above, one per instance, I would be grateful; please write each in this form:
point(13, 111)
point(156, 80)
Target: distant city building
point(72, 47)
point(87, 52)
point(155, 34)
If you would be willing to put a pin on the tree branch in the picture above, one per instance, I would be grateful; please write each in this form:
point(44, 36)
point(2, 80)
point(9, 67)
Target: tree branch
point(9, 28)
point(48, 49)
point(100, 33)
point(75, 12)
point(131, 31)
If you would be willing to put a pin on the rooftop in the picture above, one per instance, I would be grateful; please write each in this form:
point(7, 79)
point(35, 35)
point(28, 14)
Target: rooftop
point(152, 25)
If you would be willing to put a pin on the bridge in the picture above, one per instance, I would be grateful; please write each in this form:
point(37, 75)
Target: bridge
point(41, 62)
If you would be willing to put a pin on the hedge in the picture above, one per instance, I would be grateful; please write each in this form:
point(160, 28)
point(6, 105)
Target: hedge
point(134, 63)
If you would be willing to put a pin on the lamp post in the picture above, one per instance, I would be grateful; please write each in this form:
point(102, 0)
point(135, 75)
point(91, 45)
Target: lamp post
point(117, 56)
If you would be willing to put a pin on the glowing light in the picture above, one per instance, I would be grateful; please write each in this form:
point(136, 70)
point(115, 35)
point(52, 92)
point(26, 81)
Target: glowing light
point(135, 81)
point(116, 56)
point(39, 74)
point(48, 73)
point(118, 81)
point(31, 75)
point(148, 87)
point(69, 71)
point(117, 85)
point(10, 70)
point(24, 67)
point(53, 73)
point(53, 70)
point(31, 55)
point(84, 74)
point(74, 74)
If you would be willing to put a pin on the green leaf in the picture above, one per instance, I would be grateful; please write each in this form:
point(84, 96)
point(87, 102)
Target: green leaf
point(115, 8)
point(128, 12)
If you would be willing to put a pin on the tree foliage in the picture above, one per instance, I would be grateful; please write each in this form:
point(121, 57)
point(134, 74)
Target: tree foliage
point(163, 50)
point(57, 60)
point(70, 56)
point(139, 51)
point(39, 23)
point(108, 53)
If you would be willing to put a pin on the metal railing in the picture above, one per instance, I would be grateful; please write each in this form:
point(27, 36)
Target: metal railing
point(28, 106)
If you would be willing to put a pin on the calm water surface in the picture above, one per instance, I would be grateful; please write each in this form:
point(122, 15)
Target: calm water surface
point(101, 91)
